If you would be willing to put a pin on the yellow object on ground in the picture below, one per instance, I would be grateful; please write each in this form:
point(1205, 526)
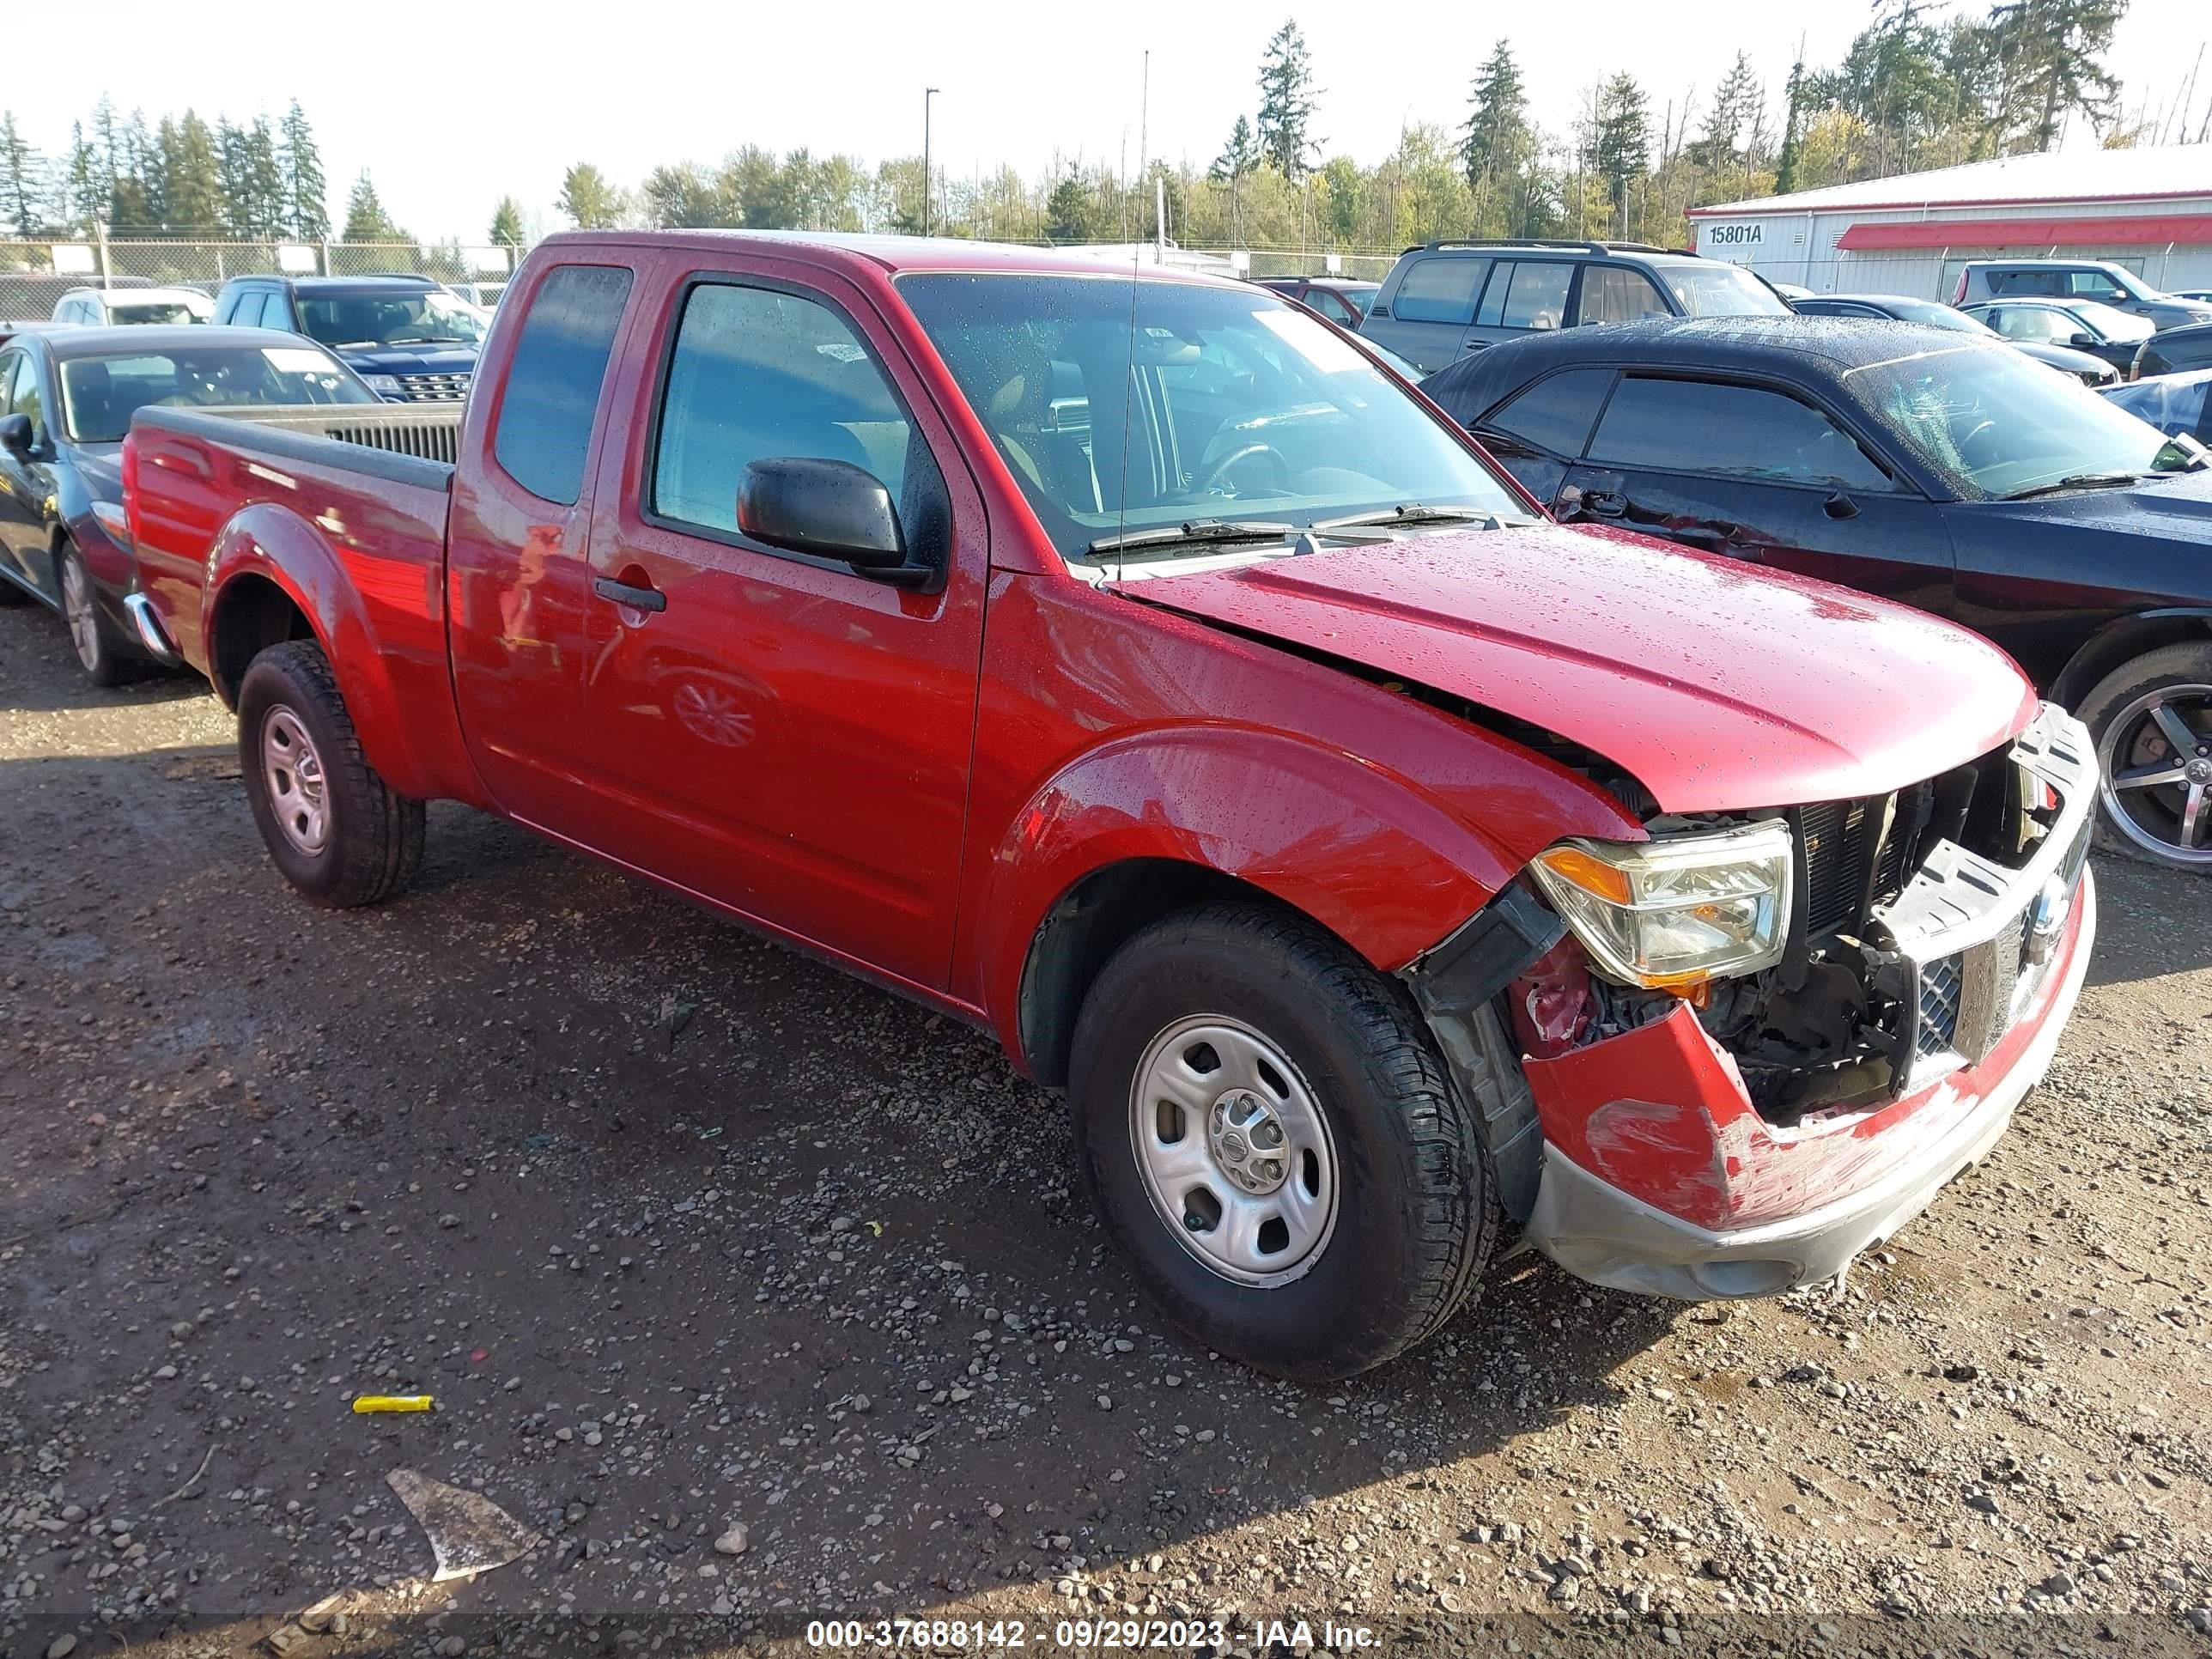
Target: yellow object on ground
point(392, 1402)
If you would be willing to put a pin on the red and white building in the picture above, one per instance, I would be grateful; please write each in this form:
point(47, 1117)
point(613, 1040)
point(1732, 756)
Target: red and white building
point(2148, 209)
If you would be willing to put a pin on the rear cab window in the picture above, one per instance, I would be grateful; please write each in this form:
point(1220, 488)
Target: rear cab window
point(550, 400)
point(1748, 432)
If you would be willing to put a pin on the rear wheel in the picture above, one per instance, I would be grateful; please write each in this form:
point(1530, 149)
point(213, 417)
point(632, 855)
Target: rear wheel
point(1272, 1140)
point(2151, 719)
point(99, 652)
point(336, 830)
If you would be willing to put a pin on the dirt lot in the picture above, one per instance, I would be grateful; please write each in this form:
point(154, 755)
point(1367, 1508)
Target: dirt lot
point(686, 1235)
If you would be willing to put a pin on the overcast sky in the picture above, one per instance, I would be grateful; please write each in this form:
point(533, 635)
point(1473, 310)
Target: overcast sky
point(450, 105)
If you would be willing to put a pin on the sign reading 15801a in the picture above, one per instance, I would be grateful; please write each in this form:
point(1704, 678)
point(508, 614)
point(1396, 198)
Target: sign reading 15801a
point(1735, 235)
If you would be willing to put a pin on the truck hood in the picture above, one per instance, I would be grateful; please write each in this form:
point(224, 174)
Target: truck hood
point(1718, 686)
point(2175, 506)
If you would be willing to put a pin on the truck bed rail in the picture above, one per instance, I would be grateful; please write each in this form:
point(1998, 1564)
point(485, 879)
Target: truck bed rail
point(413, 445)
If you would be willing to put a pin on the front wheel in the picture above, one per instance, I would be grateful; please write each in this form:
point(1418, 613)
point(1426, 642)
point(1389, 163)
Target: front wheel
point(1273, 1142)
point(2152, 721)
point(336, 830)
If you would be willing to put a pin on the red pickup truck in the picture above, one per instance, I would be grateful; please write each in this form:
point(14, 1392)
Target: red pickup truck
point(1127, 664)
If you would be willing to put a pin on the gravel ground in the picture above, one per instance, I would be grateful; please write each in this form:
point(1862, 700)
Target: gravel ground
point(763, 1298)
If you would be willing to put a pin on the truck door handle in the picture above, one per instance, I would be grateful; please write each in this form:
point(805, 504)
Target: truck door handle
point(637, 599)
point(1604, 504)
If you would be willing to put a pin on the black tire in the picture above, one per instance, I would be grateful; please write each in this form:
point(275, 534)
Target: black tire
point(371, 844)
point(2122, 742)
point(1416, 1213)
point(105, 657)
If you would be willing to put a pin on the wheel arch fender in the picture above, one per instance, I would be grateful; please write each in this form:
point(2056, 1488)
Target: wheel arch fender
point(1140, 825)
point(2122, 639)
point(272, 576)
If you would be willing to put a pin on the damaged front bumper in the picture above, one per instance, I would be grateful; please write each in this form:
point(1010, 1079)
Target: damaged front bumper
point(1842, 1189)
point(1657, 1172)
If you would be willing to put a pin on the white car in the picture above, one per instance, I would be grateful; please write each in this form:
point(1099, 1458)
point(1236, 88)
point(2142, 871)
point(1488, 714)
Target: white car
point(101, 307)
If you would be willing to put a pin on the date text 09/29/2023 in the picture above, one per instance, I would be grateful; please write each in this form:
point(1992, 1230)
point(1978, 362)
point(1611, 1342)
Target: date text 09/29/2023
point(1168, 1635)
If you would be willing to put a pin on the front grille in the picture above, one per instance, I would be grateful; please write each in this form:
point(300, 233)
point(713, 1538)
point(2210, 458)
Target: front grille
point(434, 388)
point(1941, 986)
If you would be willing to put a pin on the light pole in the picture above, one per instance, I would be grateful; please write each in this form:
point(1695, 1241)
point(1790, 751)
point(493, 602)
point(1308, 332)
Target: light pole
point(927, 93)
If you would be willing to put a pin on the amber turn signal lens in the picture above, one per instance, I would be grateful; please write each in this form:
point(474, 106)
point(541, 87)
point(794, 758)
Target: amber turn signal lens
point(1593, 875)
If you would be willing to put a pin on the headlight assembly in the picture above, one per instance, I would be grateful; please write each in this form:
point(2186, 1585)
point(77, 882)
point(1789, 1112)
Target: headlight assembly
point(1670, 915)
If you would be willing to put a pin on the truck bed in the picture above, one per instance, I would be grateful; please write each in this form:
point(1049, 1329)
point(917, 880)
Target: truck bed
point(370, 484)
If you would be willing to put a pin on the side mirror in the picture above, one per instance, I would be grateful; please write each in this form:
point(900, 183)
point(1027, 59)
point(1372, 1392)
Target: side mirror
point(2083, 341)
point(16, 435)
point(831, 509)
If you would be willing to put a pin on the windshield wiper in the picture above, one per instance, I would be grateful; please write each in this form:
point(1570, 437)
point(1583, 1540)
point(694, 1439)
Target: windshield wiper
point(2076, 481)
point(1410, 512)
point(1197, 529)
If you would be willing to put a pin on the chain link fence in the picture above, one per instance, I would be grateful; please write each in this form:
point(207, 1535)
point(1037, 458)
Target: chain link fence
point(35, 275)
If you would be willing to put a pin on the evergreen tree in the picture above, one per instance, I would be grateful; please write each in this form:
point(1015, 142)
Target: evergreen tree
point(134, 206)
point(237, 193)
point(1793, 129)
point(366, 220)
point(1498, 143)
point(22, 181)
point(1068, 211)
point(191, 187)
point(590, 202)
point(1239, 156)
point(1737, 105)
point(268, 203)
point(1287, 103)
point(307, 212)
point(507, 223)
point(1621, 140)
point(2051, 50)
point(84, 190)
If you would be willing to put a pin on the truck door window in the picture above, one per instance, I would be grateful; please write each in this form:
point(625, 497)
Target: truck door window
point(759, 373)
point(1747, 432)
point(276, 311)
point(1538, 298)
point(552, 393)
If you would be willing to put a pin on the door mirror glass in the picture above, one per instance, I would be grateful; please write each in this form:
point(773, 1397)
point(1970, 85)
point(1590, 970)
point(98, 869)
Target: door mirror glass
point(831, 509)
point(17, 436)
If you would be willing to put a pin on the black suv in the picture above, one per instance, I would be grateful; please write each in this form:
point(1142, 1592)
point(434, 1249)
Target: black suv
point(1445, 299)
point(414, 340)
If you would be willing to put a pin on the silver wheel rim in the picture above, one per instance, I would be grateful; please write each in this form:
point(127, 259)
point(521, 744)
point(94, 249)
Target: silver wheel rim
point(76, 606)
point(2156, 756)
point(1234, 1150)
point(297, 795)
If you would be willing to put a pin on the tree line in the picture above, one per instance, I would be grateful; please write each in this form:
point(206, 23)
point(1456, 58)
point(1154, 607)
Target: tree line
point(1916, 89)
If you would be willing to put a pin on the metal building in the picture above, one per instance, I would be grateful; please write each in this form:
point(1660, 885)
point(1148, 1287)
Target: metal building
point(2148, 209)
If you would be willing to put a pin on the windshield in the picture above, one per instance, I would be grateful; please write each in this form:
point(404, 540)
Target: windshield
point(162, 311)
point(1717, 290)
point(99, 394)
point(2112, 322)
point(1993, 423)
point(402, 317)
point(1935, 316)
point(1235, 404)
